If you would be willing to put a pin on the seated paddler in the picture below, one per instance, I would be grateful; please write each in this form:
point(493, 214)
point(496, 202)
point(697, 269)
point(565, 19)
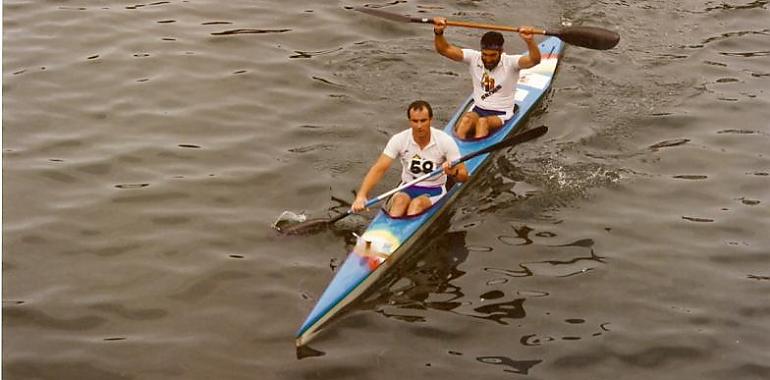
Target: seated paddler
point(421, 149)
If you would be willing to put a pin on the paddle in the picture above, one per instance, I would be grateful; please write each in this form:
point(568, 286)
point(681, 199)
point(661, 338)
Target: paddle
point(320, 222)
point(584, 36)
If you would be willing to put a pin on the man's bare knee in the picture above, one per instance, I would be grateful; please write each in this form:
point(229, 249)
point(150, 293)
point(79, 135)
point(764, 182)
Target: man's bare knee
point(467, 124)
point(399, 204)
point(419, 205)
point(486, 125)
point(482, 128)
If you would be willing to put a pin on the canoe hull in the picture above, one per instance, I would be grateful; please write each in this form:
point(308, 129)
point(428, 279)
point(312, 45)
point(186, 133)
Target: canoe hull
point(387, 240)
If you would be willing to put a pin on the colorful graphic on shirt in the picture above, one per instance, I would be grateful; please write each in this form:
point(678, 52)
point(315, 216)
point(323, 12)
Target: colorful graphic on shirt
point(487, 82)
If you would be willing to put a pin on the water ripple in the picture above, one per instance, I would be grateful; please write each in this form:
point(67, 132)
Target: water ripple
point(521, 367)
point(249, 31)
point(148, 146)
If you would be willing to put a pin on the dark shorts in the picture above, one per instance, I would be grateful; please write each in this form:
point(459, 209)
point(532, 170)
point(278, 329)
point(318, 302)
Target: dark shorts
point(415, 191)
point(434, 193)
point(484, 113)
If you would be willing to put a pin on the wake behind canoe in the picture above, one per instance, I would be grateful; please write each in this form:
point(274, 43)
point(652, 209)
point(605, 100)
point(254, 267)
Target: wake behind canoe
point(386, 239)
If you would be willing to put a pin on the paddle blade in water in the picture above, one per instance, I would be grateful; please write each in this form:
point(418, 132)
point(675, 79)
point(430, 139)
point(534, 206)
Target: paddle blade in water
point(291, 223)
point(306, 227)
point(588, 37)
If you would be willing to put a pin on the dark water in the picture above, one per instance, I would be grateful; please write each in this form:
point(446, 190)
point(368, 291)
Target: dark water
point(148, 147)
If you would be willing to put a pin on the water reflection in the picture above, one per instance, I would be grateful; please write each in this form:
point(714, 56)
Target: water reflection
point(723, 6)
point(521, 233)
point(570, 267)
point(521, 367)
point(307, 352)
point(429, 278)
point(430, 283)
point(249, 31)
point(498, 312)
point(668, 144)
point(311, 54)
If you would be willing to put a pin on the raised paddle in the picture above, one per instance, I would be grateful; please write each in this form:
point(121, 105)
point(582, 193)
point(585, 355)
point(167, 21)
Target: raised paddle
point(313, 224)
point(584, 36)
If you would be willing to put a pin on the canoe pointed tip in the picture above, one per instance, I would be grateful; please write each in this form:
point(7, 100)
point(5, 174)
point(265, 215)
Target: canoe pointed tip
point(303, 351)
point(301, 340)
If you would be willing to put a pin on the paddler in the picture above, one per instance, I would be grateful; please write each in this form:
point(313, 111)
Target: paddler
point(494, 74)
point(421, 149)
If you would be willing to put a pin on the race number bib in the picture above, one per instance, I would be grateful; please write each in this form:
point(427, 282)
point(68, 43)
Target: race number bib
point(419, 166)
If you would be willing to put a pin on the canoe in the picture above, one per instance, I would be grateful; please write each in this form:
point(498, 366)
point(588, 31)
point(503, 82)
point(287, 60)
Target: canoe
point(387, 240)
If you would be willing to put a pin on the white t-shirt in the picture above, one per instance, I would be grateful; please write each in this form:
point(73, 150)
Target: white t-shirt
point(493, 90)
point(417, 162)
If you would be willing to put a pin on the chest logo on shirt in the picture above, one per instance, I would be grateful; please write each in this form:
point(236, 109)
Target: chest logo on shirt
point(419, 166)
point(488, 84)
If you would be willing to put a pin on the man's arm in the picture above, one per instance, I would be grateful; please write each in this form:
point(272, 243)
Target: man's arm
point(533, 58)
point(372, 178)
point(442, 46)
point(459, 172)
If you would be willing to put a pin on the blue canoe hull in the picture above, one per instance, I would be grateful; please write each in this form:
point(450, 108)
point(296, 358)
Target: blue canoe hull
point(386, 239)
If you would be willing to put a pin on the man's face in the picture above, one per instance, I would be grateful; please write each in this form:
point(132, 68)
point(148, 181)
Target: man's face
point(490, 57)
point(420, 121)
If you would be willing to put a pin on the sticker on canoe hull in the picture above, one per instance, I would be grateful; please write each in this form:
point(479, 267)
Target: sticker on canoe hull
point(535, 80)
point(376, 246)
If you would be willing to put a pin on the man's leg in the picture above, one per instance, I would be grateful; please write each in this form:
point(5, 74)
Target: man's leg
point(399, 204)
point(467, 123)
point(486, 125)
point(418, 205)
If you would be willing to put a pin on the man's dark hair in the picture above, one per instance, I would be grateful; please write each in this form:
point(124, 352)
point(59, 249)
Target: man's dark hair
point(492, 40)
point(418, 105)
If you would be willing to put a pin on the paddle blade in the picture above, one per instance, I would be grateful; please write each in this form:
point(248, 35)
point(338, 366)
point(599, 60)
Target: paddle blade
point(588, 37)
point(310, 226)
point(306, 227)
point(391, 16)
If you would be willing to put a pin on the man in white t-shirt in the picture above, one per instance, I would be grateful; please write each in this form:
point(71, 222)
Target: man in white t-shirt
point(421, 149)
point(494, 75)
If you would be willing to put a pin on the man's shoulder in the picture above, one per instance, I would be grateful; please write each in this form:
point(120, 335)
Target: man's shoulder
point(443, 137)
point(470, 54)
point(511, 58)
point(396, 144)
point(400, 138)
point(440, 132)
